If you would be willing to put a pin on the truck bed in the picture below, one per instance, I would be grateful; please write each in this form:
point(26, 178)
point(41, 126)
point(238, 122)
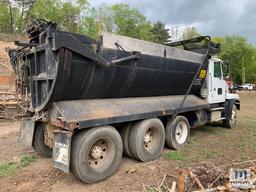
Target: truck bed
point(97, 112)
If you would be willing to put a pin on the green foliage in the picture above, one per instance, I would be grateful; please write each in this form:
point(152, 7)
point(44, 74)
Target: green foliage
point(4, 18)
point(175, 155)
point(160, 33)
point(79, 16)
point(26, 160)
point(189, 33)
point(130, 22)
point(65, 13)
point(7, 168)
point(237, 52)
point(89, 25)
point(151, 189)
point(47, 9)
point(124, 20)
point(208, 154)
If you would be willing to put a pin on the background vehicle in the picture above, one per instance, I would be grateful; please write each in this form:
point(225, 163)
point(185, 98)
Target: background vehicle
point(88, 102)
point(247, 87)
point(235, 87)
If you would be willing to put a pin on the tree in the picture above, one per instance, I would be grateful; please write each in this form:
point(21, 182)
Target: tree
point(9, 5)
point(130, 22)
point(145, 31)
point(4, 18)
point(189, 33)
point(160, 33)
point(89, 24)
point(23, 15)
point(240, 56)
point(65, 13)
point(48, 10)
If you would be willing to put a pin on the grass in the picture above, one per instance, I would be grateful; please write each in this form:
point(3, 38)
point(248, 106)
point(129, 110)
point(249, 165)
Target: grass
point(27, 160)
point(208, 154)
point(175, 155)
point(7, 169)
point(214, 130)
point(151, 189)
point(249, 137)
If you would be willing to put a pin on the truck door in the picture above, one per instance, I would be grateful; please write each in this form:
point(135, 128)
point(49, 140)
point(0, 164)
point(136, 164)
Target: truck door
point(217, 85)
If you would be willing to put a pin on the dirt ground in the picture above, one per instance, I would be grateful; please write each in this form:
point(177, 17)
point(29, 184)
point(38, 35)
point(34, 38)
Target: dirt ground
point(209, 143)
point(7, 79)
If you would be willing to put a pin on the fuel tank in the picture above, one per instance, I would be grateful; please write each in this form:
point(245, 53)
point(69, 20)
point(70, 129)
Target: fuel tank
point(57, 65)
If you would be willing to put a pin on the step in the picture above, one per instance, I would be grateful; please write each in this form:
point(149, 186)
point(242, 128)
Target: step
point(218, 109)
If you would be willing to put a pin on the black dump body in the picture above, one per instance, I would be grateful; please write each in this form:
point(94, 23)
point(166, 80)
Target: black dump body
point(57, 66)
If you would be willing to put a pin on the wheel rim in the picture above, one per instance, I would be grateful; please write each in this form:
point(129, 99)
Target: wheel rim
point(151, 138)
point(181, 132)
point(100, 154)
point(233, 115)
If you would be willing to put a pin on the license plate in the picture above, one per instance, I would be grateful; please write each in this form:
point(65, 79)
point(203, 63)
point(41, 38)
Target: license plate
point(61, 150)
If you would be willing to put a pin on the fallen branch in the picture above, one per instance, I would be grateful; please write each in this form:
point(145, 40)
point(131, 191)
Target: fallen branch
point(173, 188)
point(211, 185)
point(173, 176)
point(162, 182)
point(193, 176)
point(244, 162)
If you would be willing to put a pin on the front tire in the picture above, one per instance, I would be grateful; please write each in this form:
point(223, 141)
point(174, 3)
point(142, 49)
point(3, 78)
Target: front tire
point(231, 122)
point(38, 141)
point(177, 132)
point(96, 154)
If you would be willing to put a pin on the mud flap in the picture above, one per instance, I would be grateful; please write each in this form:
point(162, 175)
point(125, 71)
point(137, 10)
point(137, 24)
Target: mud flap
point(27, 128)
point(62, 150)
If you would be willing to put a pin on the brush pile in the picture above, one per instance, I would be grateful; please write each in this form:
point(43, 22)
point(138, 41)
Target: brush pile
point(9, 106)
point(206, 177)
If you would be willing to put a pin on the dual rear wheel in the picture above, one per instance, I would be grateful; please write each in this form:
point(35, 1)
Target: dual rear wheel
point(144, 140)
point(97, 152)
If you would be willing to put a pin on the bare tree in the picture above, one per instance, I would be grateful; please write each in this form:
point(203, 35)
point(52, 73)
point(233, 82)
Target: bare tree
point(25, 7)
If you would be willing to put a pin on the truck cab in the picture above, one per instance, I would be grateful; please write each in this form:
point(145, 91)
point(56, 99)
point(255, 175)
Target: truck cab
point(223, 104)
point(218, 91)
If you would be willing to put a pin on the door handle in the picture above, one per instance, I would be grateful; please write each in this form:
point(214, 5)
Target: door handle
point(214, 89)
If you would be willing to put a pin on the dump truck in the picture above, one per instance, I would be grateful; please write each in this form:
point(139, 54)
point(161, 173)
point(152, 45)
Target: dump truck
point(87, 102)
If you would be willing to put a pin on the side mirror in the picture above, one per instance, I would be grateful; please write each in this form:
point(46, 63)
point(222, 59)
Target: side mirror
point(225, 69)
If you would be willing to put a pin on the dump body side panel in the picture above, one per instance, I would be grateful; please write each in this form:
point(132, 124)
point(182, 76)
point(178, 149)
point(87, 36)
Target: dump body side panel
point(90, 113)
point(67, 66)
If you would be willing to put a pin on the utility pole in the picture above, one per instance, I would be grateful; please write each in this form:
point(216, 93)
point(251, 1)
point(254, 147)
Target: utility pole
point(101, 25)
point(243, 69)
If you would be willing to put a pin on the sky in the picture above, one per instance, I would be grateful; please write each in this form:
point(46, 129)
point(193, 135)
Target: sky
point(210, 17)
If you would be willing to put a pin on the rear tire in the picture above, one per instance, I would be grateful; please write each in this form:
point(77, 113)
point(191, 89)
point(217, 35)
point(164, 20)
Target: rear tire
point(231, 122)
point(38, 141)
point(125, 133)
point(96, 154)
point(177, 132)
point(146, 140)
